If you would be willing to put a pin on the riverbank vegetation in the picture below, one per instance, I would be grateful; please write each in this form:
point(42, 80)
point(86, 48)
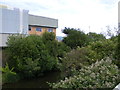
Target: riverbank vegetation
point(86, 60)
point(94, 64)
point(101, 74)
point(9, 75)
point(31, 56)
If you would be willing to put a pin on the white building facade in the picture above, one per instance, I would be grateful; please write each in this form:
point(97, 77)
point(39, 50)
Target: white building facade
point(12, 21)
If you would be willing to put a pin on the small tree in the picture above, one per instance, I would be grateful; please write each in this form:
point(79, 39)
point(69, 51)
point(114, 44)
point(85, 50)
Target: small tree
point(75, 38)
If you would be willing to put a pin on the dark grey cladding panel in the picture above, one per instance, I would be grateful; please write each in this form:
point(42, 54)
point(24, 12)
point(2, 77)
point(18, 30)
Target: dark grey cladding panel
point(42, 21)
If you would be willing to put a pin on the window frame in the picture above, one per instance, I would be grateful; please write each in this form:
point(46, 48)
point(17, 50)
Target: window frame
point(50, 29)
point(38, 29)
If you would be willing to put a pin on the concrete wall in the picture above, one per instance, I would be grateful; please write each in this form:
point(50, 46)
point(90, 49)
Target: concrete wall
point(12, 21)
point(3, 39)
point(3, 56)
point(0, 20)
point(25, 21)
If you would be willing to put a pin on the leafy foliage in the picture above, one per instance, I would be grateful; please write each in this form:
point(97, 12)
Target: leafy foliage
point(8, 75)
point(62, 49)
point(117, 50)
point(85, 56)
point(93, 37)
point(32, 55)
point(102, 74)
point(76, 59)
point(75, 38)
point(104, 48)
point(24, 50)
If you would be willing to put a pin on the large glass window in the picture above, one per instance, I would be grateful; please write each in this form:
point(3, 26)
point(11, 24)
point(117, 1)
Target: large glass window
point(39, 29)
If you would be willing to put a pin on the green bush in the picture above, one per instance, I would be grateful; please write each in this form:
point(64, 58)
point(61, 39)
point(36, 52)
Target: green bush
point(93, 37)
point(75, 38)
point(103, 48)
point(24, 54)
point(62, 49)
point(76, 59)
point(85, 56)
point(102, 74)
point(32, 55)
point(8, 76)
point(117, 50)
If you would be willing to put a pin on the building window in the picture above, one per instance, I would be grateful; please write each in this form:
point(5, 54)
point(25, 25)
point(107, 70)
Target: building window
point(29, 28)
point(39, 29)
point(50, 30)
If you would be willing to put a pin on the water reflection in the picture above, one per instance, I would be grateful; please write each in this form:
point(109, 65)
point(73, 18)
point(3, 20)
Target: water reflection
point(36, 83)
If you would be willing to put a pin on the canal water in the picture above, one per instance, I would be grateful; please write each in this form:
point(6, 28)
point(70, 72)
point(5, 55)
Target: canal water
point(36, 83)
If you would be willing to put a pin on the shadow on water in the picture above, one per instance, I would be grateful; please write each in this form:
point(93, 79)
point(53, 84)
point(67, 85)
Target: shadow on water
point(36, 83)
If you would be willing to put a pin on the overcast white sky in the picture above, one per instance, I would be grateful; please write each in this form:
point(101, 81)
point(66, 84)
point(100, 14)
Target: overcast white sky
point(88, 15)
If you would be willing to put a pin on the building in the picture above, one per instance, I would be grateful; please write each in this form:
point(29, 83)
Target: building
point(38, 24)
point(13, 21)
point(17, 21)
point(119, 17)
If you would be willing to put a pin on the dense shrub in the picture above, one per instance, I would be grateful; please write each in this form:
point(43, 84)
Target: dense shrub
point(32, 55)
point(75, 38)
point(62, 49)
point(117, 50)
point(102, 74)
point(0, 78)
point(103, 48)
point(106, 48)
point(24, 51)
point(8, 76)
point(76, 59)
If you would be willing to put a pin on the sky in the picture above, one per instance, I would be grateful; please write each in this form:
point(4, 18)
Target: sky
point(87, 15)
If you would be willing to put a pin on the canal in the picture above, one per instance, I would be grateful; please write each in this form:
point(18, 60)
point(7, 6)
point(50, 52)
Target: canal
point(36, 83)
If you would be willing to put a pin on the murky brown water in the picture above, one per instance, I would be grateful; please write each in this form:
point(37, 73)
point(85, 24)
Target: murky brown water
point(35, 83)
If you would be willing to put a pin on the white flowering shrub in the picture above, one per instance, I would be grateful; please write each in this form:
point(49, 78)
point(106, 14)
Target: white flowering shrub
point(102, 74)
point(76, 59)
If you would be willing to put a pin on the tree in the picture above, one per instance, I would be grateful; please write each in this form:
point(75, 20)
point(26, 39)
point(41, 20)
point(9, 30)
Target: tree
point(103, 48)
point(93, 37)
point(26, 54)
point(32, 55)
point(117, 51)
point(111, 31)
point(75, 38)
